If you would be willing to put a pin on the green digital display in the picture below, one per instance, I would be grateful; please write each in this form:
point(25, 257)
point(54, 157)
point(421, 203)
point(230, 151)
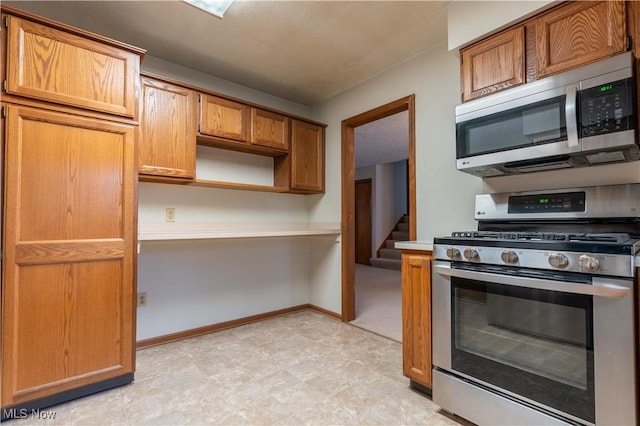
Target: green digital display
point(543, 201)
point(606, 87)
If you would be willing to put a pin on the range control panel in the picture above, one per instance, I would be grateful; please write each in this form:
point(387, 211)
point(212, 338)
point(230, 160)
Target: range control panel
point(547, 203)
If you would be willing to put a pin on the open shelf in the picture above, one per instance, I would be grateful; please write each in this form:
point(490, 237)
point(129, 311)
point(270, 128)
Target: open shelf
point(240, 186)
point(190, 231)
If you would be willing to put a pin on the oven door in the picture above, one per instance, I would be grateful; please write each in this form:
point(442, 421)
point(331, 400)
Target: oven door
point(562, 342)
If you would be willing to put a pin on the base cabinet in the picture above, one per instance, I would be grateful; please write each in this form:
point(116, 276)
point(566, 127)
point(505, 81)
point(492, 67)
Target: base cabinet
point(69, 205)
point(416, 317)
point(68, 254)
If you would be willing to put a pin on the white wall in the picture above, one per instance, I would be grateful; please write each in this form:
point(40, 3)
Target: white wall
point(445, 196)
point(400, 185)
point(469, 21)
point(199, 79)
point(196, 283)
point(382, 206)
point(191, 284)
point(610, 174)
point(385, 220)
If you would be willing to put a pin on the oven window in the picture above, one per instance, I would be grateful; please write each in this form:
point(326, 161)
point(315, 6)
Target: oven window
point(535, 343)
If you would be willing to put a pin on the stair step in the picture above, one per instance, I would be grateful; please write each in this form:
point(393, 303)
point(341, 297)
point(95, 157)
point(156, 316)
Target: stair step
point(400, 235)
point(403, 227)
point(390, 253)
point(390, 244)
point(386, 263)
point(405, 219)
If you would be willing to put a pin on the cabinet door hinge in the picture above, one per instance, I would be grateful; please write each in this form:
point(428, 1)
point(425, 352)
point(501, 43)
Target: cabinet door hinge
point(4, 85)
point(4, 115)
point(629, 42)
point(199, 97)
point(198, 128)
point(6, 22)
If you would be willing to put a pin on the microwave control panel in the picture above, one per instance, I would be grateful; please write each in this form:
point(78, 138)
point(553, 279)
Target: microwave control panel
point(607, 108)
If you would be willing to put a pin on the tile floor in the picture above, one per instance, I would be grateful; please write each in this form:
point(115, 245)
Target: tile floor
point(296, 369)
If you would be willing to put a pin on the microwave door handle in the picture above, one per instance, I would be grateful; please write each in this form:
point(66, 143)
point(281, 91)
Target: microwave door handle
point(571, 119)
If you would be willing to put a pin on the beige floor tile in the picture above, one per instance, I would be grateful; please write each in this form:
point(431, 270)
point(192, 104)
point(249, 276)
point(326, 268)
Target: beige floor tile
point(298, 369)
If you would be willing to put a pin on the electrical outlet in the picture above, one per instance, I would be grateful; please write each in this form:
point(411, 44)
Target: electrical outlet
point(170, 214)
point(142, 300)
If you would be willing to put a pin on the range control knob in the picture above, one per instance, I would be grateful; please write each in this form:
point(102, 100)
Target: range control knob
point(558, 260)
point(588, 263)
point(453, 253)
point(471, 254)
point(509, 257)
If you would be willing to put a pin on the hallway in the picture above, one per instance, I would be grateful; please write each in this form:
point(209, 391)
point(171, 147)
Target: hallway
point(379, 301)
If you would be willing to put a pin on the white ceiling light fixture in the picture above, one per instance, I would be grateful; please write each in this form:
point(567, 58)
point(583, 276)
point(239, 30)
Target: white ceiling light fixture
point(215, 7)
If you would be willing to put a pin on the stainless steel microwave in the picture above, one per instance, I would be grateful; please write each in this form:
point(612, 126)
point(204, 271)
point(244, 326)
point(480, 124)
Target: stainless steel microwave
point(582, 117)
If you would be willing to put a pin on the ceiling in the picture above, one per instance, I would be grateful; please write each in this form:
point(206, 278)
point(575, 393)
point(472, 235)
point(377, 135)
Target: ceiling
point(383, 141)
point(303, 51)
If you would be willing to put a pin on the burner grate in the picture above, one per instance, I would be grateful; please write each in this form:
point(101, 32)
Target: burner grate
point(615, 238)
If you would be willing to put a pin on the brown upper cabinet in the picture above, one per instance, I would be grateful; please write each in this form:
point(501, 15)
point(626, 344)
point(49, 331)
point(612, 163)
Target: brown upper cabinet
point(167, 143)
point(493, 64)
point(54, 65)
point(302, 170)
point(269, 129)
point(578, 33)
point(171, 129)
point(229, 124)
point(223, 118)
point(564, 37)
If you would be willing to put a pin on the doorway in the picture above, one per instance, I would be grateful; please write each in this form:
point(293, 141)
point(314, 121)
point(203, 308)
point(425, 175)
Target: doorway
point(348, 191)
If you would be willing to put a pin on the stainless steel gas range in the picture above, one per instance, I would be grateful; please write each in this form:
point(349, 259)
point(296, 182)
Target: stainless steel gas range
point(534, 313)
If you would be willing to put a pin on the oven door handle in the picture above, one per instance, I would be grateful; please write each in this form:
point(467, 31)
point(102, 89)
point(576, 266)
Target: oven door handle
point(600, 288)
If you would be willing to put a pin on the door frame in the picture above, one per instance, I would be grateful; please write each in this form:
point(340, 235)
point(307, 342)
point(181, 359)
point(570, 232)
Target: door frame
point(348, 191)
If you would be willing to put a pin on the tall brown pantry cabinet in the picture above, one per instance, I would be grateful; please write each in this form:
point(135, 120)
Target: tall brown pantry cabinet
point(69, 212)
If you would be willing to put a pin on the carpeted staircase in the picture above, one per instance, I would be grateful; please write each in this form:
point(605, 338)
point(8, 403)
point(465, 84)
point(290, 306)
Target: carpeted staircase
point(388, 256)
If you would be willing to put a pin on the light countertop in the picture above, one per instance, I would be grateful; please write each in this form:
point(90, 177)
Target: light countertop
point(414, 245)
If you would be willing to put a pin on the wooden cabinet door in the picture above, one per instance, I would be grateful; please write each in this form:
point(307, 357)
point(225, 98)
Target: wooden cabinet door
point(53, 65)
point(416, 317)
point(224, 118)
point(167, 144)
point(68, 284)
point(578, 33)
point(307, 156)
point(493, 64)
point(269, 129)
